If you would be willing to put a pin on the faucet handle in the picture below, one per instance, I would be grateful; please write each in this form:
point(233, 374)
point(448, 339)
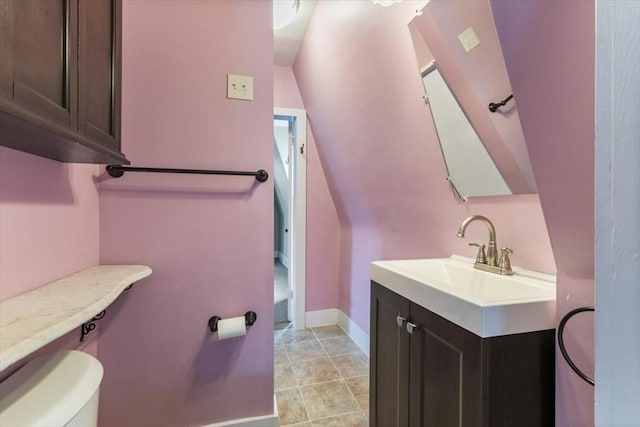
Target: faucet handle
point(481, 257)
point(505, 262)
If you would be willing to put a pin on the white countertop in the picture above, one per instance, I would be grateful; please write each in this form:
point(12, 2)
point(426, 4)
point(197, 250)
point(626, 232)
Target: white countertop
point(32, 320)
point(486, 304)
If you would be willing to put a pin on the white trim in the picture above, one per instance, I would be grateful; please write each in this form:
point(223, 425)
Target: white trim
point(333, 316)
point(617, 209)
point(360, 337)
point(298, 214)
point(263, 421)
point(322, 317)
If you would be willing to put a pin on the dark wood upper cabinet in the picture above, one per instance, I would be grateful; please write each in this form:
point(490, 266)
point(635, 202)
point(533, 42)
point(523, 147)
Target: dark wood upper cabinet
point(60, 79)
point(441, 375)
point(99, 62)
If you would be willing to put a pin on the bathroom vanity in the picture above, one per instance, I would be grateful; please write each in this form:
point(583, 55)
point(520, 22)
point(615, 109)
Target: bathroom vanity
point(455, 346)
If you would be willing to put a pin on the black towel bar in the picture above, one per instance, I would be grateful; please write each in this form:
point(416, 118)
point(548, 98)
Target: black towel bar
point(493, 107)
point(116, 171)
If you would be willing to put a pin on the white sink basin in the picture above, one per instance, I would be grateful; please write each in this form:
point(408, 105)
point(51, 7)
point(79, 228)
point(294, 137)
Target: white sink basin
point(484, 303)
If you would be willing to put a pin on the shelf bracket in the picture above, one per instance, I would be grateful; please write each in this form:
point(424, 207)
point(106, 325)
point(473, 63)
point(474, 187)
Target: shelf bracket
point(90, 325)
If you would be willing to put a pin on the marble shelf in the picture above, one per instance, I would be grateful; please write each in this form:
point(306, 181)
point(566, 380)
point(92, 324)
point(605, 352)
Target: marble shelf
point(32, 320)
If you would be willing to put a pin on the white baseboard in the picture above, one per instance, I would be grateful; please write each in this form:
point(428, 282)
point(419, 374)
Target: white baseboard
point(316, 318)
point(334, 316)
point(360, 337)
point(263, 421)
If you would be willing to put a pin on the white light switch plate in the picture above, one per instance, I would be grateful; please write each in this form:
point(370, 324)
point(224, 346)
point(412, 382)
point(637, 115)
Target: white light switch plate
point(239, 87)
point(468, 39)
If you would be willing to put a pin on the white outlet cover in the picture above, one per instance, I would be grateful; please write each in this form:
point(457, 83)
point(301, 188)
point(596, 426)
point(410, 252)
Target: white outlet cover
point(239, 87)
point(468, 39)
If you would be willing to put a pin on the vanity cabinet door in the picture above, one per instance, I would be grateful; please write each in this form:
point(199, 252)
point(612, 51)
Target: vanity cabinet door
point(519, 379)
point(389, 387)
point(446, 373)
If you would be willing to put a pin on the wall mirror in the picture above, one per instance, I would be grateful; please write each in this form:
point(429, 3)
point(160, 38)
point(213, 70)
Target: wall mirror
point(461, 64)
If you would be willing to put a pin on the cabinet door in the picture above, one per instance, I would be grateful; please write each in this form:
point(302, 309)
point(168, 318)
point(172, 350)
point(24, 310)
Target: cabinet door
point(38, 61)
point(520, 382)
point(446, 373)
point(99, 73)
point(389, 379)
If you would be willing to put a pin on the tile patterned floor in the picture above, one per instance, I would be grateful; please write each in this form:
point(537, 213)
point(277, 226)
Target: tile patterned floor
point(321, 379)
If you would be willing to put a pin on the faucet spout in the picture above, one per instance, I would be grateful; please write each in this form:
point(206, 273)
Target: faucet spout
point(492, 252)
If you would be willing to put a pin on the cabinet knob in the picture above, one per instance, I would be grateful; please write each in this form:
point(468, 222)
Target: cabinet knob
point(411, 327)
point(401, 321)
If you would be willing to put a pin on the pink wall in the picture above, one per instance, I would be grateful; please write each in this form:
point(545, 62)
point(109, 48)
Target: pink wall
point(48, 221)
point(358, 79)
point(553, 81)
point(323, 225)
point(208, 239)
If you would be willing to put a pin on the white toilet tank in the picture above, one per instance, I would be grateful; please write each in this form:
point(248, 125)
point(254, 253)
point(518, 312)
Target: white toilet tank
point(55, 390)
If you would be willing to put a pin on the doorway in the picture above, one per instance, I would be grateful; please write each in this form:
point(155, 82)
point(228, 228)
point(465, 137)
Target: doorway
point(289, 171)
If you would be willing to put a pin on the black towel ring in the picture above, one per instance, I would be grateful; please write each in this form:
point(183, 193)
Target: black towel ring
point(563, 350)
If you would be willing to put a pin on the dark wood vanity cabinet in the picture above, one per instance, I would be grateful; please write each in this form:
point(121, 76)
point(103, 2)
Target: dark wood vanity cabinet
point(60, 70)
point(442, 375)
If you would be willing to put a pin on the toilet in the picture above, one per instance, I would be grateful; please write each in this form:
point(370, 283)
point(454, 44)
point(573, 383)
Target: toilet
point(60, 389)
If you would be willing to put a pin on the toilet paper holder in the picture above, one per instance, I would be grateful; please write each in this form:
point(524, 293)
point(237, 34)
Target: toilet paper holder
point(249, 319)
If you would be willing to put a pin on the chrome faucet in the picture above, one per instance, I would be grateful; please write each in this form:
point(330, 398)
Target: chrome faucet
point(489, 261)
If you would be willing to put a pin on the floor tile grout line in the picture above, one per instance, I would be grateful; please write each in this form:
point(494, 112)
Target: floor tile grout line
point(331, 361)
point(311, 358)
point(292, 373)
point(347, 354)
point(337, 415)
point(304, 402)
point(350, 376)
point(340, 354)
point(314, 358)
point(356, 399)
point(343, 333)
point(321, 382)
point(347, 385)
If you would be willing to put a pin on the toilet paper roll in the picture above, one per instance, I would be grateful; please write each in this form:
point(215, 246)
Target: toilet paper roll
point(233, 327)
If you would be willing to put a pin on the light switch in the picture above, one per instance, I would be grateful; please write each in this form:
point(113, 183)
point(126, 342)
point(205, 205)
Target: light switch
point(468, 39)
point(239, 87)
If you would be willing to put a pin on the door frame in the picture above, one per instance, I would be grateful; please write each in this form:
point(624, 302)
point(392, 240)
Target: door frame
point(617, 209)
point(297, 213)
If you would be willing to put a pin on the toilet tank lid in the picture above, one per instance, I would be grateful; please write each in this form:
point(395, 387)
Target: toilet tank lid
point(49, 390)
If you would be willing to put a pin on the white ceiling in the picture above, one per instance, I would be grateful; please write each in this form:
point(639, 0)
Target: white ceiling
point(287, 41)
